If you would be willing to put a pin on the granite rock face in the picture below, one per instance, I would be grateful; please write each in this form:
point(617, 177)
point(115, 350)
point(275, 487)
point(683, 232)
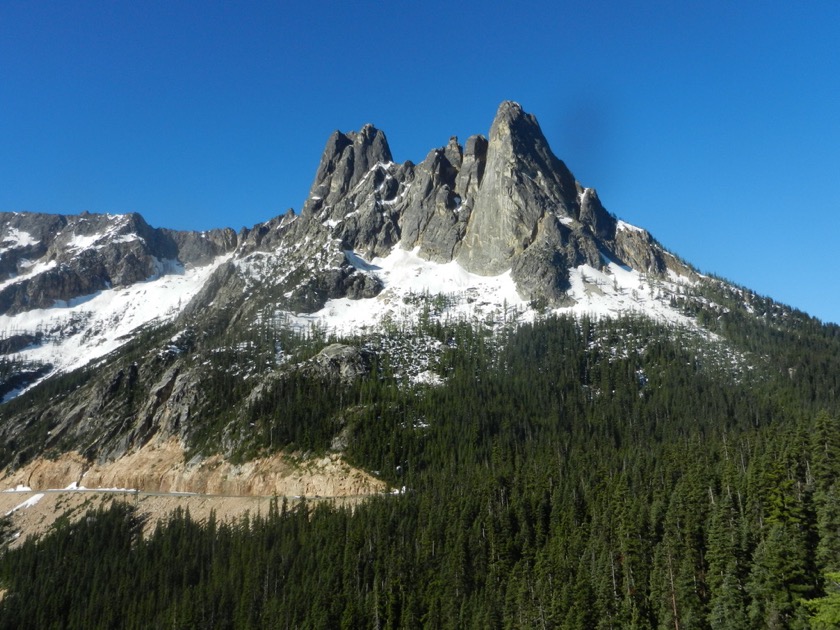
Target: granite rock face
point(523, 182)
point(346, 160)
point(434, 217)
point(50, 260)
point(494, 205)
point(339, 362)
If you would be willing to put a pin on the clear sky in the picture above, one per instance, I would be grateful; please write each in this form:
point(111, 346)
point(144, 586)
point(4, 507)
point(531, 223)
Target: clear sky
point(715, 124)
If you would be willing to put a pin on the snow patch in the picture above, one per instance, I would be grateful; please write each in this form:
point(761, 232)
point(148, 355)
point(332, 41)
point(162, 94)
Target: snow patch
point(622, 225)
point(84, 241)
point(33, 500)
point(32, 269)
point(407, 277)
point(86, 328)
point(16, 239)
point(415, 287)
point(427, 377)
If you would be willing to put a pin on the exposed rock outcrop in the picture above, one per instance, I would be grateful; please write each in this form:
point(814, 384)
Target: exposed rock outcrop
point(434, 217)
point(522, 182)
point(497, 205)
point(50, 260)
point(161, 467)
point(339, 362)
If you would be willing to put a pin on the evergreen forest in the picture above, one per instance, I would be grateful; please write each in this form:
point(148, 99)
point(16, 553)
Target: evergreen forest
point(567, 474)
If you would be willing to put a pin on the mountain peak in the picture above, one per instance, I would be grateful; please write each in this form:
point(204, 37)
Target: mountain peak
point(510, 114)
point(506, 203)
point(514, 125)
point(509, 110)
point(346, 159)
point(495, 205)
point(522, 182)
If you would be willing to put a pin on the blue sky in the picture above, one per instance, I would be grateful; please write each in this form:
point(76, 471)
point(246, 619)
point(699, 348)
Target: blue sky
point(715, 125)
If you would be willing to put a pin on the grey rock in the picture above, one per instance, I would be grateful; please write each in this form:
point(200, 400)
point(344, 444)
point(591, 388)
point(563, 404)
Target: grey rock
point(485, 205)
point(323, 285)
point(453, 153)
point(360, 285)
point(82, 254)
point(637, 249)
point(593, 214)
point(522, 181)
point(200, 248)
point(472, 170)
point(222, 290)
point(339, 362)
point(432, 217)
point(16, 343)
point(351, 198)
point(541, 272)
point(346, 161)
point(16, 257)
point(367, 226)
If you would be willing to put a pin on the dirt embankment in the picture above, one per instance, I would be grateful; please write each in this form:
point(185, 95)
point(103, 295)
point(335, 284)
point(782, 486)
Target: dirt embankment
point(230, 491)
point(161, 468)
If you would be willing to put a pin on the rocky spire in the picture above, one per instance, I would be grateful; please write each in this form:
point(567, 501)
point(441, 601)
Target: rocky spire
point(347, 158)
point(506, 203)
point(522, 181)
point(472, 169)
point(593, 214)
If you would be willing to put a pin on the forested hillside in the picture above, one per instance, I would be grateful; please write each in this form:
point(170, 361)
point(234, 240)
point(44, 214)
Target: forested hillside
point(565, 474)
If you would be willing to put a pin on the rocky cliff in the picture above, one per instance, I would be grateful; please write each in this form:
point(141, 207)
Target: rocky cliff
point(47, 260)
point(500, 219)
point(495, 205)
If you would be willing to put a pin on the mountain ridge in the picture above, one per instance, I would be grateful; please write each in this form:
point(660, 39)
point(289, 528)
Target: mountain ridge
point(493, 235)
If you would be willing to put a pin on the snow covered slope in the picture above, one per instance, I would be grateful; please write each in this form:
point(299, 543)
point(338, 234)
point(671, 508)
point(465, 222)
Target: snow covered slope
point(610, 291)
point(74, 333)
point(73, 288)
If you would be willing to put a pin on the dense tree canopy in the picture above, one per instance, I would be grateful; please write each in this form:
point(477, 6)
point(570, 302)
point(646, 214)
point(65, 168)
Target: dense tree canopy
point(566, 474)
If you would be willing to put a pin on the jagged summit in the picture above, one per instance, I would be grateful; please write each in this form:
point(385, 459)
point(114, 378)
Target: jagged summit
point(501, 207)
point(523, 183)
point(345, 161)
point(497, 205)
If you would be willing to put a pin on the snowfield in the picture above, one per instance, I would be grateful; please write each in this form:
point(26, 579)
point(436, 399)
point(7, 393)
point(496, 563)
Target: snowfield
point(71, 335)
point(608, 292)
point(75, 333)
point(406, 277)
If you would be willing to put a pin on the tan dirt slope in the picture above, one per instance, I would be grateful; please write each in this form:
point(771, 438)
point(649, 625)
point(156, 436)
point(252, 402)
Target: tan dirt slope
point(161, 468)
point(158, 469)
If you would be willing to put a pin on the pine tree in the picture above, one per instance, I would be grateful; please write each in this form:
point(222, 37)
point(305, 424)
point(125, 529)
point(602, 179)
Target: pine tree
point(825, 611)
point(728, 564)
point(778, 580)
